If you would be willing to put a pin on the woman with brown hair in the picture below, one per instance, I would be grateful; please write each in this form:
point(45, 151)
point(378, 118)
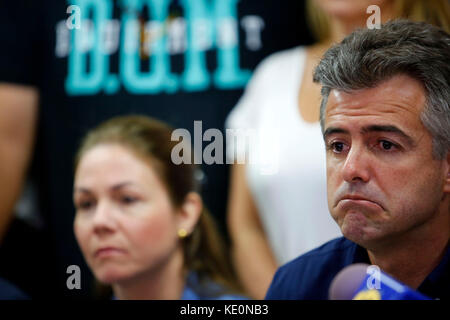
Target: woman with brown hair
point(273, 218)
point(140, 221)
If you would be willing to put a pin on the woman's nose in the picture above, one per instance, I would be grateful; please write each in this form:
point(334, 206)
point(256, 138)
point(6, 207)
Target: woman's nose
point(103, 221)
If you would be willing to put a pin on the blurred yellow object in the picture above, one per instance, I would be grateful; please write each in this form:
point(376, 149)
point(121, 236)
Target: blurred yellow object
point(371, 294)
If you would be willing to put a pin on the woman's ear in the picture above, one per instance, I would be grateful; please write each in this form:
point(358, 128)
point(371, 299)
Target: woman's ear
point(189, 213)
point(447, 179)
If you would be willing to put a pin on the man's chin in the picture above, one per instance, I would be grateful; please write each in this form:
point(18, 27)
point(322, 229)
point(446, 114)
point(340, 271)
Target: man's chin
point(355, 228)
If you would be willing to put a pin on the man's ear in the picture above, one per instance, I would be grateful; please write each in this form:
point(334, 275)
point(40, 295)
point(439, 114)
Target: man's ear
point(447, 178)
point(189, 212)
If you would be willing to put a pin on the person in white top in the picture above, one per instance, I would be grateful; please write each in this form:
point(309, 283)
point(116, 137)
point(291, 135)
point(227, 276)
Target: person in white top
point(277, 206)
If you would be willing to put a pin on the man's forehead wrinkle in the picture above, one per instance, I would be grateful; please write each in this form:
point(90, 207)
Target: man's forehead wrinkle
point(370, 110)
point(387, 98)
point(387, 106)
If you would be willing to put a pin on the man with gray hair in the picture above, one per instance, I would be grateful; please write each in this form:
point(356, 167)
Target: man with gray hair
point(385, 118)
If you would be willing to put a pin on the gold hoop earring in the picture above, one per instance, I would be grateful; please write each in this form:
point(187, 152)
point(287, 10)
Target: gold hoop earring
point(182, 233)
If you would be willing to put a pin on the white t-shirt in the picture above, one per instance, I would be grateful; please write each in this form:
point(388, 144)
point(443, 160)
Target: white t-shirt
point(288, 177)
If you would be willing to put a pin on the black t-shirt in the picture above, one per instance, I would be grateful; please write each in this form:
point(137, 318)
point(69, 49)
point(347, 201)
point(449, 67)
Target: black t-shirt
point(178, 61)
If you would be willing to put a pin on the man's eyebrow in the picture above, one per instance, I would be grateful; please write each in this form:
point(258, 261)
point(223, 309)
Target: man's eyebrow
point(333, 130)
point(388, 128)
point(372, 128)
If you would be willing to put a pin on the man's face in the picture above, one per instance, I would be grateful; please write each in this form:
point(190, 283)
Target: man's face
point(382, 179)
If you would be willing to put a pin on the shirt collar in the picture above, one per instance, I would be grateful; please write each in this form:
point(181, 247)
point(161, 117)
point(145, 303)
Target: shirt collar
point(360, 255)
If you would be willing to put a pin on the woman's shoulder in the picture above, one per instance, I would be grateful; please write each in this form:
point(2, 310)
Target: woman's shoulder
point(231, 297)
point(280, 60)
point(207, 289)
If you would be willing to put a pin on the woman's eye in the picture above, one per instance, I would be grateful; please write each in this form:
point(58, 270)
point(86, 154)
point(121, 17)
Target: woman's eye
point(128, 200)
point(84, 205)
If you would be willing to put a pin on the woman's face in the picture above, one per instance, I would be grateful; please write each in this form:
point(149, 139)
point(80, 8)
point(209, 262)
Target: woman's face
point(125, 223)
point(351, 9)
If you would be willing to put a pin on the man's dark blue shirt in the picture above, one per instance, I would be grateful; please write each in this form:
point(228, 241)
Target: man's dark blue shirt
point(309, 276)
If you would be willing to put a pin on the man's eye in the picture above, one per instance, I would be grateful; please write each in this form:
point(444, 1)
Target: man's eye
point(386, 145)
point(337, 146)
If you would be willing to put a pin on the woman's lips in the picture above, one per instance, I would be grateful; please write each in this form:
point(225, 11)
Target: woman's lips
point(108, 252)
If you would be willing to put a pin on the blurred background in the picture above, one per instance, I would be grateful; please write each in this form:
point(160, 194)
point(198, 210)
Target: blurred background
point(202, 54)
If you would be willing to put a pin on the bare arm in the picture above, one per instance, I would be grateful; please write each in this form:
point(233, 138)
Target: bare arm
point(251, 253)
point(18, 114)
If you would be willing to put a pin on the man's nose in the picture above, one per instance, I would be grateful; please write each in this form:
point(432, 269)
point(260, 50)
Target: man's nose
point(356, 166)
